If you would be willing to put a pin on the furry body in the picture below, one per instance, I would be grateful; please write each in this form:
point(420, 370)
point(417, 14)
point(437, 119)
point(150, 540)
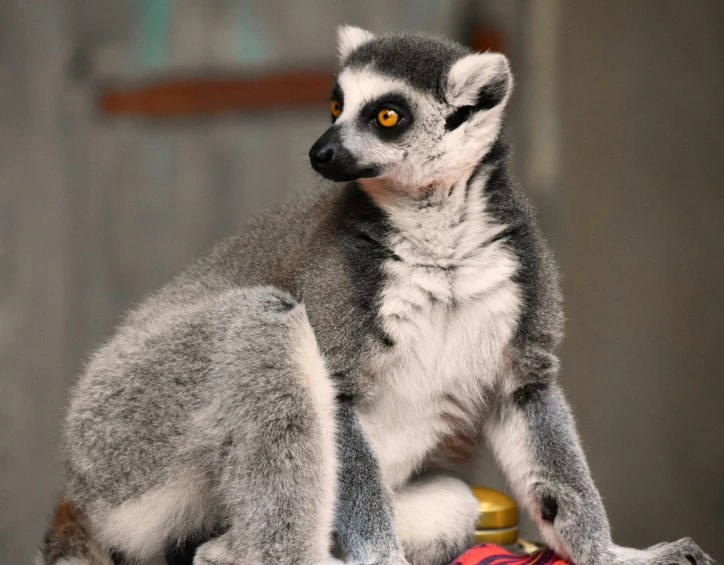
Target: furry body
point(318, 371)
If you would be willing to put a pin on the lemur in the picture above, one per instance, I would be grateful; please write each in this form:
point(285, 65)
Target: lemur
point(300, 395)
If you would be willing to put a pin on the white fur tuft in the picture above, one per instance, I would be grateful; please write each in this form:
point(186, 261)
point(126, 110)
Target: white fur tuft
point(433, 509)
point(471, 73)
point(141, 526)
point(350, 38)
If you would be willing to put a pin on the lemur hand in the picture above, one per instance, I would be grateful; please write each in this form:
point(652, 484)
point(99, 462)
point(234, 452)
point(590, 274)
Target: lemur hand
point(681, 552)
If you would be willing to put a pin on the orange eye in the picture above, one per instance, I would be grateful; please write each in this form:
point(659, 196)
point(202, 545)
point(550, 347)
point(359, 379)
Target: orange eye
point(388, 118)
point(336, 108)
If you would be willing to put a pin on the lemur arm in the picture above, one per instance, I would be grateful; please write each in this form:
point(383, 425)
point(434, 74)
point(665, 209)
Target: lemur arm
point(533, 436)
point(364, 521)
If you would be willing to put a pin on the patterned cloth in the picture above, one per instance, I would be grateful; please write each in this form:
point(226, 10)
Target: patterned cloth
point(489, 554)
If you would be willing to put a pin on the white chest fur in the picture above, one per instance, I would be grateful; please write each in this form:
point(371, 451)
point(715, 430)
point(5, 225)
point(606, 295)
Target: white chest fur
point(451, 306)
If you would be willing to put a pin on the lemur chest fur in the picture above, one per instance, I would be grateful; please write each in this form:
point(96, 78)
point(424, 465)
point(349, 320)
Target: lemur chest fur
point(450, 304)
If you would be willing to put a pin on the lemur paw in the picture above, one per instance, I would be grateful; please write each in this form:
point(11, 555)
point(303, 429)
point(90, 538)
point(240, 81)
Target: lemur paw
point(681, 552)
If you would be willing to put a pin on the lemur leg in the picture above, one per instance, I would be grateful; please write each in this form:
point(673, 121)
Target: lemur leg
point(276, 433)
point(532, 433)
point(364, 521)
point(251, 451)
point(221, 551)
point(435, 517)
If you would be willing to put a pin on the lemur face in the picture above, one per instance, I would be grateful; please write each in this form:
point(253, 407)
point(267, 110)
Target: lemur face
point(410, 112)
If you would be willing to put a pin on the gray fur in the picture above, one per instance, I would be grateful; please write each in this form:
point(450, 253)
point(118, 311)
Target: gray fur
point(203, 382)
point(420, 59)
point(361, 496)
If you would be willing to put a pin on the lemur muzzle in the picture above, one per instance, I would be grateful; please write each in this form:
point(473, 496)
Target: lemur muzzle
point(333, 161)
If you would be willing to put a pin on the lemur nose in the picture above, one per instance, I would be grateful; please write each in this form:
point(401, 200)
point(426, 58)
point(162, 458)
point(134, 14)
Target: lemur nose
point(322, 155)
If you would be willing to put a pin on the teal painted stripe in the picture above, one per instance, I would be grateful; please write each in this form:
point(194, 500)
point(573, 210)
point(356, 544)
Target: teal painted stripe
point(153, 46)
point(252, 45)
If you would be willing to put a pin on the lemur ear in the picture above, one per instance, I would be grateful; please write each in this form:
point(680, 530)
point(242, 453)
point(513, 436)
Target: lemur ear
point(350, 38)
point(480, 81)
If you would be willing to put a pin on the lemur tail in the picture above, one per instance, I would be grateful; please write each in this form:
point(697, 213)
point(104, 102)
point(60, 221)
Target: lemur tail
point(68, 541)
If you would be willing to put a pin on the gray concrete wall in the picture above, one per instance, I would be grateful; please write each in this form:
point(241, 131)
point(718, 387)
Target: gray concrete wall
point(642, 252)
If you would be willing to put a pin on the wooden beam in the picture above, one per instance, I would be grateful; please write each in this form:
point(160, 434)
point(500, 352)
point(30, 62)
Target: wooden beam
point(488, 39)
point(203, 96)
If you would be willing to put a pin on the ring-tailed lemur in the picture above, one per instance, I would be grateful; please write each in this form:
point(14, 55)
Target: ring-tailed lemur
point(314, 375)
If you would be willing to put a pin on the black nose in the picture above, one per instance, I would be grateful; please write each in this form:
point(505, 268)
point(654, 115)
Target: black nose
point(321, 155)
point(333, 161)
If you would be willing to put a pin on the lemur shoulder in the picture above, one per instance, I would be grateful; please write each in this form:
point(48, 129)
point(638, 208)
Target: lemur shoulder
point(303, 389)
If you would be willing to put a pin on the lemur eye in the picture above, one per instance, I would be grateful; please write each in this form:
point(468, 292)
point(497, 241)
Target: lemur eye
point(388, 118)
point(336, 108)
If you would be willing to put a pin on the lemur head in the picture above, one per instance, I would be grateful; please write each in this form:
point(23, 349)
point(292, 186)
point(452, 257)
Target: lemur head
point(410, 111)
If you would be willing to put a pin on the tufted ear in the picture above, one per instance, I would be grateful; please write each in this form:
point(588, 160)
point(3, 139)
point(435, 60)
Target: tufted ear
point(479, 81)
point(350, 38)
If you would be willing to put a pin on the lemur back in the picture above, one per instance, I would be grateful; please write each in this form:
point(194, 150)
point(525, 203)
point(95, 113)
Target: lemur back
point(302, 391)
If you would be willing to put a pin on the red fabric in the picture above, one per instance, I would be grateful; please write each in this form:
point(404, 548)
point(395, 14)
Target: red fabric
point(489, 554)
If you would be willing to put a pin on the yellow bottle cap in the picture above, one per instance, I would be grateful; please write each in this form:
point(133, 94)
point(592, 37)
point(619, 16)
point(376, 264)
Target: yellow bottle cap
point(497, 510)
point(505, 536)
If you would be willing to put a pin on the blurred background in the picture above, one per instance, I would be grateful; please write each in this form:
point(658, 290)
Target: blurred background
point(135, 133)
